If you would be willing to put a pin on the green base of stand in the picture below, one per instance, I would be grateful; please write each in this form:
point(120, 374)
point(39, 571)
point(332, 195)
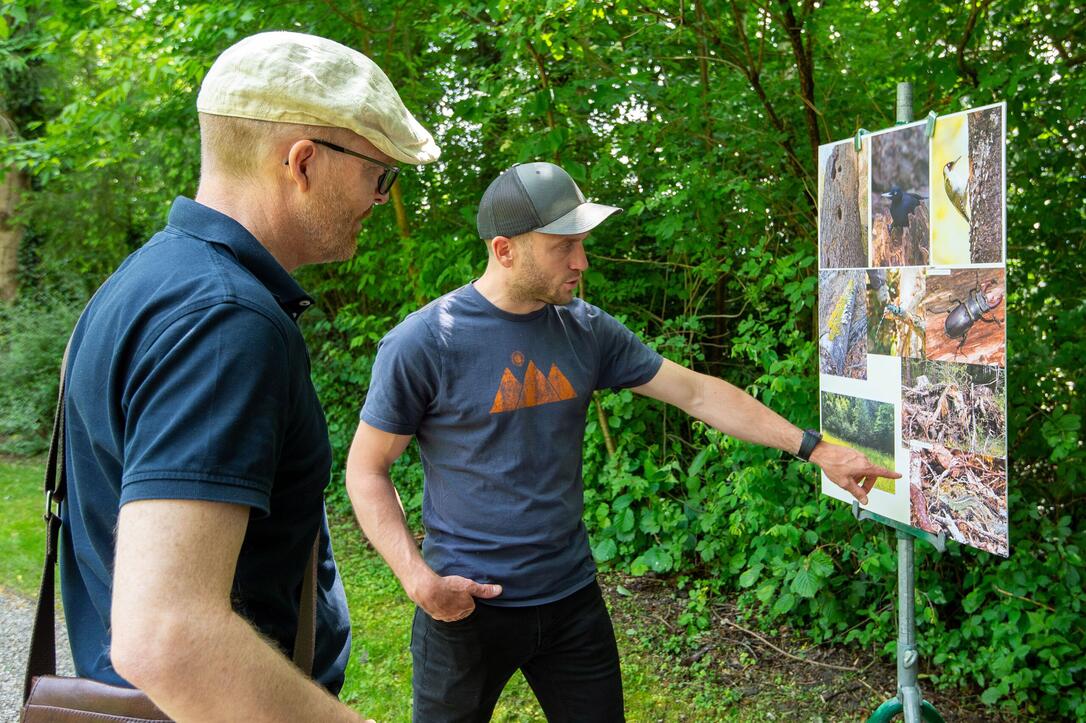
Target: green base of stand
point(886, 712)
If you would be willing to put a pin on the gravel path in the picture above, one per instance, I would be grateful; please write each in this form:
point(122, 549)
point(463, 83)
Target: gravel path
point(16, 619)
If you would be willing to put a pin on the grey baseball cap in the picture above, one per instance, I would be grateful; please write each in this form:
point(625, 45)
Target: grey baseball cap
point(537, 197)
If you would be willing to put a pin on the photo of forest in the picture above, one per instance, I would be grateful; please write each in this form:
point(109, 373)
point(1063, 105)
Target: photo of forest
point(864, 425)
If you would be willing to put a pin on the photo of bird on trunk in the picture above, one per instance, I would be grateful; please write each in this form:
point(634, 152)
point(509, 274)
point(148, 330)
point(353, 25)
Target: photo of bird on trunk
point(900, 199)
point(967, 180)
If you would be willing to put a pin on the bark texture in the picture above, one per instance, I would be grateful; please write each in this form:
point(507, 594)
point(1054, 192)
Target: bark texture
point(986, 186)
point(11, 186)
point(842, 231)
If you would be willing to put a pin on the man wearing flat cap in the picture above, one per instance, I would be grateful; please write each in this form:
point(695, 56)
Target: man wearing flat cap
point(197, 451)
point(494, 380)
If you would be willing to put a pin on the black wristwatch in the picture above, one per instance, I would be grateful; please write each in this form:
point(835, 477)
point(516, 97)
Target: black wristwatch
point(811, 438)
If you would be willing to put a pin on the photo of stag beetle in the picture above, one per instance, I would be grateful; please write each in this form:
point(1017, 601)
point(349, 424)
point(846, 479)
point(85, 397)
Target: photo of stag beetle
point(964, 314)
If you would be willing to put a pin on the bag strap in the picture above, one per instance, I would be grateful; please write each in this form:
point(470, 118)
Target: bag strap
point(42, 659)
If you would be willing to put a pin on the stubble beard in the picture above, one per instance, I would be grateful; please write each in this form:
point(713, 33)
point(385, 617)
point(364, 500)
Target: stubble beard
point(532, 285)
point(331, 226)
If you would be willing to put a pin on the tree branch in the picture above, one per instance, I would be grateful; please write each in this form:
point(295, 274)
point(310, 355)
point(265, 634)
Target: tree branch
point(966, 70)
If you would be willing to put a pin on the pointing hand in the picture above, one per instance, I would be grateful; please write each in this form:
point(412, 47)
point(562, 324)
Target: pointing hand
point(848, 469)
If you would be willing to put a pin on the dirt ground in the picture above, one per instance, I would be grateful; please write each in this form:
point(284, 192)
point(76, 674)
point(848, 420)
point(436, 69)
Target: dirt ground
point(776, 671)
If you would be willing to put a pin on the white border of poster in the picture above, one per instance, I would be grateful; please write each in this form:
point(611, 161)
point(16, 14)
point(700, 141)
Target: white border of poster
point(944, 254)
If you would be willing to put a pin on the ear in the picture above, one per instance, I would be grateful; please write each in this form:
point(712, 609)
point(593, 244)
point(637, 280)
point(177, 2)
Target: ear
point(502, 248)
point(300, 160)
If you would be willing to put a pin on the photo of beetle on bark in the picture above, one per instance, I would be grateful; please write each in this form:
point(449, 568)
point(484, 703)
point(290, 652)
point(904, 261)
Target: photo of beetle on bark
point(842, 213)
point(895, 324)
point(961, 406)
point(900, 221)
point(963, 493)
point(864, 425)
point(842, 324)
point(964, 316)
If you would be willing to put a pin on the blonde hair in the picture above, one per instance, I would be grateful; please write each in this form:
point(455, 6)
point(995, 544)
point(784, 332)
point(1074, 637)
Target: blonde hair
point(238, 147)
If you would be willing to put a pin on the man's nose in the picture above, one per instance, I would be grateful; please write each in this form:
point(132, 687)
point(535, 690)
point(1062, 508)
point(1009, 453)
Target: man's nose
point(579, 262)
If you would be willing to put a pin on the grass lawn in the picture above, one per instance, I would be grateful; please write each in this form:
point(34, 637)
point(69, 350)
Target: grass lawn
point(379, 673)
point(880, 458)
point(22, 531)
point(659, 685)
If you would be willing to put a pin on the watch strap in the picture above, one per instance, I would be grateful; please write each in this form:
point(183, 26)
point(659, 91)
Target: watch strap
point(811, 438)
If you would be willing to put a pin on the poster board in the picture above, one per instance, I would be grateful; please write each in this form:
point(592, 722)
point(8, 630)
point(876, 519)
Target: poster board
point(912, 292)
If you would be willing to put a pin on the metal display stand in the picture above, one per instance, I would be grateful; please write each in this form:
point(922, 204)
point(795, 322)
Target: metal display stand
point(908, 700)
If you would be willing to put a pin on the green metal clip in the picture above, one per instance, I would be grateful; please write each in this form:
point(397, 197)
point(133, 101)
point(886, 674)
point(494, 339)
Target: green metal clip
point(930, 127)
point(860, 132)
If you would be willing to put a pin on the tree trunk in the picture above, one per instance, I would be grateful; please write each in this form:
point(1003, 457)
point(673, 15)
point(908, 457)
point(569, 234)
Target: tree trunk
point(841, 230)
point(917, 237)
point(11, 186)
point(986, 186)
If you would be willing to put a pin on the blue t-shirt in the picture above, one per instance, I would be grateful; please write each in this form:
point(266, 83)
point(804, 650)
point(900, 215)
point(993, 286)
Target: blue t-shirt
point(497, 402)
point(189, 379)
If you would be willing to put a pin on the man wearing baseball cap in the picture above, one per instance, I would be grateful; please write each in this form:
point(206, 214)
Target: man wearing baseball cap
point(494, 380)
point(197, 450)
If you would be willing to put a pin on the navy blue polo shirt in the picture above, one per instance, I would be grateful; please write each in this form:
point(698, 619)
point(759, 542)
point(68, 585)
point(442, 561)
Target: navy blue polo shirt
point(189, 379)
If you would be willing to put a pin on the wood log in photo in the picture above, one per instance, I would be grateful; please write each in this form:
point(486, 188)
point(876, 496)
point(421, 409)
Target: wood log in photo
point(986, 186)
point(842, 228)
point(985, 339)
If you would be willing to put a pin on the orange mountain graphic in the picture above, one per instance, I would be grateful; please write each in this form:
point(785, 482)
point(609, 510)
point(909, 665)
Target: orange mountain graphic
point(535, 390)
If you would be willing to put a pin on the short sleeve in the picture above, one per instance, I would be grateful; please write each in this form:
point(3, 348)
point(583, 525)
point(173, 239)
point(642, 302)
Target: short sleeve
point(405, 378)
point(206, 409)
point(625, 360)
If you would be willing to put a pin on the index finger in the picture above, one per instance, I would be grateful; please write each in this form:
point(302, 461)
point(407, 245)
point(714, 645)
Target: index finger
point(882, 472)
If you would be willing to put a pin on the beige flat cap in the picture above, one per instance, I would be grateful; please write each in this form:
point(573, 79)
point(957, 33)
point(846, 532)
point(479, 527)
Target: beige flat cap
point(296, 78)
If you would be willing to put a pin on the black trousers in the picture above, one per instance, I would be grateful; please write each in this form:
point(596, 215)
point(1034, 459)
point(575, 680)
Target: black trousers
point(566, 650)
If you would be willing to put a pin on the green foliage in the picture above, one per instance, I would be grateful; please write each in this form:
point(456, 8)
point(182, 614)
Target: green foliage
point(33, 333)
point(701, 120)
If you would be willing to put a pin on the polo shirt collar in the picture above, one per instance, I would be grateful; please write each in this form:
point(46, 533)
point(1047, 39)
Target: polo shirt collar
point(207, 224)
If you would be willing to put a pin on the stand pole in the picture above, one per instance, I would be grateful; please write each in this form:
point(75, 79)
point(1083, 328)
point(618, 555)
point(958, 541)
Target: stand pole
point(909, 699)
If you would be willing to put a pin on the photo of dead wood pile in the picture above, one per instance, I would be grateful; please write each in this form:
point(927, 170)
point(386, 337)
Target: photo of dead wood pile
point(961, 493)
point(955, 327)
point(842, 324)
point(955, 405)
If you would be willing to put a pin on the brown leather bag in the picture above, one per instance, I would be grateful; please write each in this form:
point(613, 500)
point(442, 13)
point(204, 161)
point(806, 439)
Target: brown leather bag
point(49, 698)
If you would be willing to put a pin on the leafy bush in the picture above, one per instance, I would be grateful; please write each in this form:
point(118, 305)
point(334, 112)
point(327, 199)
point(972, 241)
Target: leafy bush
point(702, 122)
point(33, 332)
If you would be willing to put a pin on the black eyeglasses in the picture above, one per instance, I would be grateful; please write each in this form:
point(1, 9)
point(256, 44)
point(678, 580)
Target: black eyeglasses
point(386, 179)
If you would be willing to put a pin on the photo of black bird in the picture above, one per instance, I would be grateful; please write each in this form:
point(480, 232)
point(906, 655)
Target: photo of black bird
point(902, 203)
